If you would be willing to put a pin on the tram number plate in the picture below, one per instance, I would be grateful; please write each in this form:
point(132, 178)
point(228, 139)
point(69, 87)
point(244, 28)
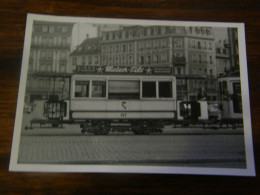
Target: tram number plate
point(123, 114)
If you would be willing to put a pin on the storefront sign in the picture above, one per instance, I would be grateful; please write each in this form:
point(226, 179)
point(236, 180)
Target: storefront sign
point(124, 70)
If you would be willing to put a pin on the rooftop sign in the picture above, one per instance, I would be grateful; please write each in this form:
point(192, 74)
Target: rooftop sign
point(124, 70)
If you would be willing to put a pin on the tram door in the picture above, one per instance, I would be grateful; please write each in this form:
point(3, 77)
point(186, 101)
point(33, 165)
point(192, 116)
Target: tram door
point(230, 96)
point(55, 110)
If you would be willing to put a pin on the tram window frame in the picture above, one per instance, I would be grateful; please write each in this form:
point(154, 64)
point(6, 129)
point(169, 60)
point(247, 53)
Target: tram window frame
point(103, 89)
point(86, 84)
point(165, 91)
point(149, 89)
point(123, 93)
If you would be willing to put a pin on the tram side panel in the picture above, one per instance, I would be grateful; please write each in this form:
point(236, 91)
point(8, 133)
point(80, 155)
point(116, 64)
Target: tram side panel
point(123, 109)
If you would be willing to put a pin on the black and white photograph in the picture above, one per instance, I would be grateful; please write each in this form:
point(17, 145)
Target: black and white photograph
point(133, 96)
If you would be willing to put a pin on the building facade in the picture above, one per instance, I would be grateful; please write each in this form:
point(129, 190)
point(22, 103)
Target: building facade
point(86, 54)
point(189, 51)
point(222, 58)
point(234, 50)
point(49, 55)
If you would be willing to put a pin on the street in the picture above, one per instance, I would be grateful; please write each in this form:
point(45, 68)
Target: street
point(176, 147)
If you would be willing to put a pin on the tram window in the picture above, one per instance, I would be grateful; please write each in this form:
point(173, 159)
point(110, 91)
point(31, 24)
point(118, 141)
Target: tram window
point(123, 89)
point(98, 88)
point(165, 89)
point(237, 101)
point(149, 89)
point(81, 89)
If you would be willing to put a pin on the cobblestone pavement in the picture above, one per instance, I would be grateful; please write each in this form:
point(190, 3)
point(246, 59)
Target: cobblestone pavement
point(132, 149)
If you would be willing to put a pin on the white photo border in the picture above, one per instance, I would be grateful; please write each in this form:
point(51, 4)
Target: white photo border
point(250, 167)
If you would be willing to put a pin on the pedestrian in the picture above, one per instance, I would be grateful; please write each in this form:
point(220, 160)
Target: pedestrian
point(202, 95)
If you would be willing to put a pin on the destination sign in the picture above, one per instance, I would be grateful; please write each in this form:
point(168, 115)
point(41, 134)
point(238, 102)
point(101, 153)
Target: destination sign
point(124, 70)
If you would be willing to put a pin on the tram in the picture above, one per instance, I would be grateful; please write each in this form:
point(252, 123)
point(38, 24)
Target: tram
point(230, 100)
point(140, 103)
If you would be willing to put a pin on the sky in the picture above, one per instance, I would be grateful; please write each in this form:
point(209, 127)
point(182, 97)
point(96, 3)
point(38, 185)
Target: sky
point(80, 31)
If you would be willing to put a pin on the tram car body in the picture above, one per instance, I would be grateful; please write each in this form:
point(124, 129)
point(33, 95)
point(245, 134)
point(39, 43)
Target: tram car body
point(138, 103)
point(230, 99)
point(130, 102)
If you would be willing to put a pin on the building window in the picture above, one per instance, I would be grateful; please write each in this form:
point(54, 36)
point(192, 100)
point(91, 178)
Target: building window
point(142, 32)
point(199, 45)
point(74, 61)
point(164, 57)
point(104, 49)
point(156, 58)
point(156, 44)
point(44, 41)
point(50, 42)
point(177, 43)
point(194, 71)
point(179, 72)
point(164, 42)
point(193, 44)
point(130, 60)
point(204, 58)
point(124, 48)
point(44, 28)
point(141, 60)
point(210, 60)
point(210, 45)
point(148, 59)
point(117, 61)
point(130, 47)
point(148, 31)
point(191, 30)
point(130, 34)
point(194, 59)
point(96, 59)
point(205, 71)
point(63, 41)
point(90, 60)
point(83, 60)
point(148, 44)
point(104, 61)
point(163, 30)
point(51, 29)
point(204, 45)
point(155, 31)
point(199, 58)
point(211, 72)
point(64, 29)
point(117, 48)
point(141, 45)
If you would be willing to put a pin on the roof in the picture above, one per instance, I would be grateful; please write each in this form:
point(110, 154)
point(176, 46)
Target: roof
point(88, 46)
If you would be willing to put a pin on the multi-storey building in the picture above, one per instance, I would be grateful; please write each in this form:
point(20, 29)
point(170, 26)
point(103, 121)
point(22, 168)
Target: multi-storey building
point(189, 51)
point(49, 54)
point(86, 54)
point(222, 58)
point(234, 52)
point(200, 65)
